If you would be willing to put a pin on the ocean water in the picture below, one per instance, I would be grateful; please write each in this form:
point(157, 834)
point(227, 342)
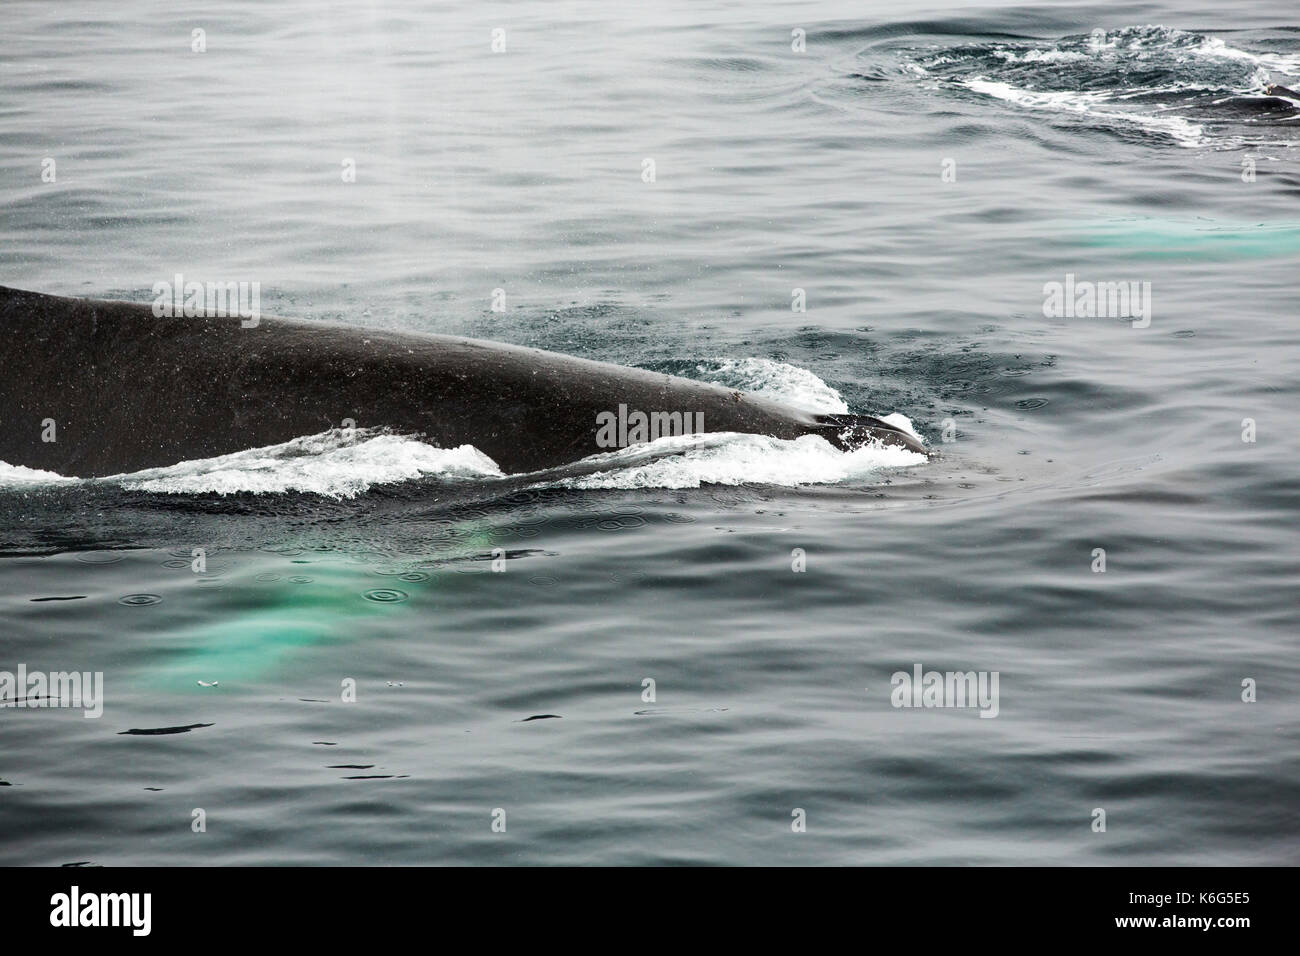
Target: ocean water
point(365, 650)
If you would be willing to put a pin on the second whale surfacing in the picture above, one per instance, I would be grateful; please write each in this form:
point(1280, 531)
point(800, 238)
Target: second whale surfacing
point(93, 388)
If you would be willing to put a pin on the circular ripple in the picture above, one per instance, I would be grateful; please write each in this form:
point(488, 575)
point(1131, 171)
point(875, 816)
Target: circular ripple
point(1031, 403)
point(100, 557)
point(543, 581)
point(301, 579)
point(267, 576)
point(620, 523)
point(414, 576)
point(139, 600)
point(527, 496)
point(386, 595)
point(176, 564)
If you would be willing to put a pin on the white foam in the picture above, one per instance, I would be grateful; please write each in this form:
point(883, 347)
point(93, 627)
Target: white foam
point(899, 420)
point(737, 459)
point(1184, 132)
point(778, 381)
point(1195, 63)
point(1288, 63)
point(1041, 56)
point(334, 467)
point(16, 476)
point(334, 464)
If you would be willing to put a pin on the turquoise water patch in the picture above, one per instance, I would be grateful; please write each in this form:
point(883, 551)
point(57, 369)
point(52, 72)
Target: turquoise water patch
point(261, 623)
point(1180, 239)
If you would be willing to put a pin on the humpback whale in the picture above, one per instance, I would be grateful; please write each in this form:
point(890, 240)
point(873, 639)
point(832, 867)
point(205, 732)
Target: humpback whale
point(95, 388)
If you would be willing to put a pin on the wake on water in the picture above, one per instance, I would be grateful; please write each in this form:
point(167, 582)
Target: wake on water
point(1194, 90)
point(346, 463)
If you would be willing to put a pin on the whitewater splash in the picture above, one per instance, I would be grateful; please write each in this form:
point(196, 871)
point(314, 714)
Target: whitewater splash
point(1194, 90)
point(691, 461)
point(347, 463)
point(336, 463)
point(775, 380)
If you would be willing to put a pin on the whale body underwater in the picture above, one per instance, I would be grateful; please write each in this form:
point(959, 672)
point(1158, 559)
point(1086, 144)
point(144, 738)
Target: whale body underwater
point(94, 388)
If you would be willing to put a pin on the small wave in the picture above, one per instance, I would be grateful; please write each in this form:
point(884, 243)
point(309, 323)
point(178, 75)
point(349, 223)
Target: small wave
point(778, 381)
point(324, 465)
point(899, 420)
point(1181, 130)
point(17, 477)
point(738, 459)
point(334, 464)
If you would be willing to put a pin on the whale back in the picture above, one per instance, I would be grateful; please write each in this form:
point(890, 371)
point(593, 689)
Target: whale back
point(127, 390)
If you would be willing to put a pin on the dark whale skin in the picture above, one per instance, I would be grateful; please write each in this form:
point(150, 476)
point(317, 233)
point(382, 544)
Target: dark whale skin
point(129, 391)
